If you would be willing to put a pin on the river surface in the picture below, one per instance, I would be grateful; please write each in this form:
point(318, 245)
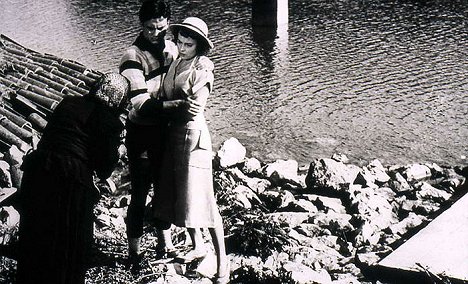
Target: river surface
point(383, 79)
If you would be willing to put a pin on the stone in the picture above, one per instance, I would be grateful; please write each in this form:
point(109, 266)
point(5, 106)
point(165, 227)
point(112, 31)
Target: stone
point(9, 222)
point(417, 172)
point(122, 201)
point(104, 220)
point(122, 152)
point(231, 152)
point(339, 157)
point(325, 203)
point(258, 185)
point(14, 157)
point(245, 196)
point(426, 207)
point(436, 170)
point(369, 234)
point(426, 191)
point(376, 167)
point(408, 205)
point(308, 230)
point(274, 198)
point(301, 274)
point(9, 217)
point(252, 165)
point(302, 205)
point(5, 176)
point(335, 222)
point(282, 170)
point(237, 175)
point(373, 173)
point(413, 220)
point(373, 206)
point(290, 219)
point(346, 279)
point(330, 174)
point(398, 183)
point(367, 259)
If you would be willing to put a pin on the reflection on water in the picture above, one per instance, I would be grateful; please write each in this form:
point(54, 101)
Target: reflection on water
point(372, 79)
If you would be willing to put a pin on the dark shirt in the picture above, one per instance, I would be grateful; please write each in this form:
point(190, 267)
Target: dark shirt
point(81, 136)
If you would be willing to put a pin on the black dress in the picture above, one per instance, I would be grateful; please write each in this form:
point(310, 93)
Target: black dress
point(57, 193)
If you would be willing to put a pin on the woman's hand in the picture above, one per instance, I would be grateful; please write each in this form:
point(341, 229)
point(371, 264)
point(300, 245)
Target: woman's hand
point(193, 107)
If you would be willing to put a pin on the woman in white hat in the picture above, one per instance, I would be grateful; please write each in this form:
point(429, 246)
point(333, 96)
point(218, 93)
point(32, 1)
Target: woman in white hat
point(186, 197)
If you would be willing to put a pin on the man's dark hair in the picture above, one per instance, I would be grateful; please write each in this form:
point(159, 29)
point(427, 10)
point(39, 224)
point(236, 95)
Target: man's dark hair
point(152, 9)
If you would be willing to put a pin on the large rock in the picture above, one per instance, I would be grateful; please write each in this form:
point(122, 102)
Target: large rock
point(325, 203)
point(282, 170)
point(258, 185)
point(374, 173)
point(417, 172)
point(335, 222)
point(426, 191)
point(373, 205)
point(330, 174)
point(398, 183)
point(301, 274)
point(277, 198)
point(252, 166)
point(302, 205)
point(309, 230)
point(245, 197)
point(374, 211)
point(409, 222)
point(231, 152)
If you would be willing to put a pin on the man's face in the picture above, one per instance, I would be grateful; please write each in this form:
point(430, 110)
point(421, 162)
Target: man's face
point(154, 30)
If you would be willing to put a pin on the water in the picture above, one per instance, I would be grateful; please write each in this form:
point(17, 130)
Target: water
point(382, 79)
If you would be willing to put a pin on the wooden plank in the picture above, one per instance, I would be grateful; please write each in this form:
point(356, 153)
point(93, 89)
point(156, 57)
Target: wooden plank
point(441, 247)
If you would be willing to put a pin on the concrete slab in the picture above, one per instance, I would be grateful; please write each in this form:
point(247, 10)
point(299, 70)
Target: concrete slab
point(441, 247)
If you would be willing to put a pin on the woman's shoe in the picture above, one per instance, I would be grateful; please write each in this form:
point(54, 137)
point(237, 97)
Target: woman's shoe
point(225, 278)
point(191, 256)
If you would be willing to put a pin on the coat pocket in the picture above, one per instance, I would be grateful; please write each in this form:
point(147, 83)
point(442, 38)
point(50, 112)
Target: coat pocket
point(199, 146)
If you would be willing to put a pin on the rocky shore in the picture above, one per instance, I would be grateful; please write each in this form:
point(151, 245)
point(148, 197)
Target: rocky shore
point(329, 222)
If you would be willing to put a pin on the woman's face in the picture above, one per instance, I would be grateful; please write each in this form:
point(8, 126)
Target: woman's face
point(187, 47)
point(154, 30)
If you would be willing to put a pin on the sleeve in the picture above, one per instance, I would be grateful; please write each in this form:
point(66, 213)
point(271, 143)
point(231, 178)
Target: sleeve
point(131, 67)
point(152, 108)
point(105, 153)
point(201, 78)
point(171, 52)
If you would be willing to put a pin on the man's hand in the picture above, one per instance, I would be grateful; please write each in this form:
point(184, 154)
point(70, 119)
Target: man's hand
point(174, 104)
point(204, 63)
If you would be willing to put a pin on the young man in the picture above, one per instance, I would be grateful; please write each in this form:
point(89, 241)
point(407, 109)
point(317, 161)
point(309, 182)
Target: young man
point(145, 64)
